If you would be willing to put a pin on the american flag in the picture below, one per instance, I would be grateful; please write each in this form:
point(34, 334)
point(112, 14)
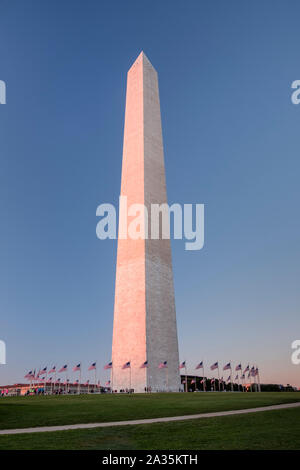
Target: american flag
point(200, 365)
point(30, 375)
point(253, 371)
point(51, 371)
point(236, 378)
point(163, 365)
point(227, 366)
point(182, 365)
point(144, 365)
point(58, 380)
point(256, 371)
point(247, 368)
point(193, 381)
point(108, 366)
point(64, 368)
point(201, 381)
point(92, 366)
point(126, 365)
point(43, 371)
point(214, 366)
point(249, 375)
point(243, 376)
point(239, 367)
point(229, 378)
point(107, 383)
point(76, 368)
point(76, 382)
point(65, 382)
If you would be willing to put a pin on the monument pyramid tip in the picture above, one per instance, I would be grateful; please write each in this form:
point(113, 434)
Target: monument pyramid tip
point(142, 56)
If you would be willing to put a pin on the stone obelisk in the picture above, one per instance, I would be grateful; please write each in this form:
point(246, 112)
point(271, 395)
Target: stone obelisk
point(144, 313)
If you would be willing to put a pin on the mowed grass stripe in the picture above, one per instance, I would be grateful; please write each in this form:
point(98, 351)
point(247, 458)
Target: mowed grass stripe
point(23, 412)
point(266, 430)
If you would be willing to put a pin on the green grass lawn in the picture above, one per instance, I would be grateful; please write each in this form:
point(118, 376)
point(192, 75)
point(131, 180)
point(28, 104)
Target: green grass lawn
point(263, 430)
point(21, 412)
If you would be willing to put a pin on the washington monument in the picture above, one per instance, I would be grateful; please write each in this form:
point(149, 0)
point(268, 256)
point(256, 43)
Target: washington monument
point(145, 344)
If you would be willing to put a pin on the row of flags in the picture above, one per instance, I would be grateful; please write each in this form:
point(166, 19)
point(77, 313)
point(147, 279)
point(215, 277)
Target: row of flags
point(77, 368)
point(227, 366)
point(127, 365)
point(251, 372)
point(31, 375)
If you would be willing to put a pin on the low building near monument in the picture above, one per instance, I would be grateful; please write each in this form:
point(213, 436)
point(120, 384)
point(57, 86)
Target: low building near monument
point(21, 389)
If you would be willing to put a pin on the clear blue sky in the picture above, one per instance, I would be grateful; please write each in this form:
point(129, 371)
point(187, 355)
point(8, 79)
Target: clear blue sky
point(231, 138)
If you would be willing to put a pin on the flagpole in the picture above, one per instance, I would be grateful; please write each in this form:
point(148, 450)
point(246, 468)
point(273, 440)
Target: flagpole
point(185, 377)
point(167, 373)
point(218, 377)
point(36, 380)
point(130, 377)
point(38, 376)
point(79, 380)
point(231, 380)
point(95, 377)
point(255, 384)
point(258, 379)
point(204, 381)
point(242, 377)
